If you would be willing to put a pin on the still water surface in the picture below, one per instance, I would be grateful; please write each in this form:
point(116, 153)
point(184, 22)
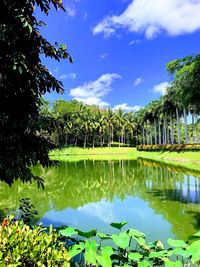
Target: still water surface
point(161, 200)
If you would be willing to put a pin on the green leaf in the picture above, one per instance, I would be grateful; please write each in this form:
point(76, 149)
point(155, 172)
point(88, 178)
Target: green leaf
point(173, 264)
point(71, 59)
point(121, 240)
point(20, 70)
point(118, 225)
point(107, 250)
point(159, 245)
point(89, 234)
point(177, 243)
point(25, 24)
point(104, 259)
point(68, 232)
point(140, 241)
point(135, 233)
point(144, 264)
point(63, 46)
point(75, 250)
point(135, 256)
point(30, 28)
point(103, 236)
point(160, 254)
point(90, 252)
point(184, 253)
point(195, 250)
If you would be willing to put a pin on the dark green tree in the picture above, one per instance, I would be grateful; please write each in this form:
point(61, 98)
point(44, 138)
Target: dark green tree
point(23, 81)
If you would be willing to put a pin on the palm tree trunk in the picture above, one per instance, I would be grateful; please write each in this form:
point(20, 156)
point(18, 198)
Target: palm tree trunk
point(66, 137)
point(172, 129)
point(147, 134)
point(197, 132)
point(193, 127)
point(155, 132)
point(109, 136)
point(85, 140)
point(185, 125)
point(93, 139)
point(151, 139)
point(143, 135)
point(75, 141)
point(112, 134)
point(159, 131)
point(165, 129)
point(178, 126)
point(101, 140)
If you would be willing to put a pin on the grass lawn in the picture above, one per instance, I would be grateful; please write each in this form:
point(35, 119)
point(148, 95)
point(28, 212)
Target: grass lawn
point(187, 159)
point(105, 153)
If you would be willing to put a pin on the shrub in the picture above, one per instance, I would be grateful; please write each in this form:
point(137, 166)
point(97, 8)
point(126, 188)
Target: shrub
point(21, 245)
point(181, 147)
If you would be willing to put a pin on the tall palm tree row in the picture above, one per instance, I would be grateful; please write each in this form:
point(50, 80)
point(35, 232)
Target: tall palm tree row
point(165, 121)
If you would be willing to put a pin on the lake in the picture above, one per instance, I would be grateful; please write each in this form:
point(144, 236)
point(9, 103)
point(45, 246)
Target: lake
point(160, 200)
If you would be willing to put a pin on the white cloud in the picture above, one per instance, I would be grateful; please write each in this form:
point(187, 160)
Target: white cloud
point(161, 88)
point(56, 70)
point(93, 100)
point(175, 17)
point(91, 92)
point(71, 76)
point(134, 42)
point(103, 56)
point(85, 16)
point(102, 210)
point(127, 108)
point(137, 81)
point(70, 10)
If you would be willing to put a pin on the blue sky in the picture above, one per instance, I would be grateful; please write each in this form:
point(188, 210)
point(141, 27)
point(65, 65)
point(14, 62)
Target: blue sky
point(120, 48)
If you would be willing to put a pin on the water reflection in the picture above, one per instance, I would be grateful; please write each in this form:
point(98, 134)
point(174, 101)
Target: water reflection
point(170, 183)
point(159, 199)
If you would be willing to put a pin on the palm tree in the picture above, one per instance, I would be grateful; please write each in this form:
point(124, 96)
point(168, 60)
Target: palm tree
point(120, 125)
point(129, 126)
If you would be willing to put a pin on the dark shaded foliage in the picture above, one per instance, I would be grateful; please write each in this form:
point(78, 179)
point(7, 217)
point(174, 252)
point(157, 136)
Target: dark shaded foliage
point(23, 80)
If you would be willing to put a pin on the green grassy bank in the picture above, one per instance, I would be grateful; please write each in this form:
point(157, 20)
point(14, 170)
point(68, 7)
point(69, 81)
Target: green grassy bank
point(188, 159)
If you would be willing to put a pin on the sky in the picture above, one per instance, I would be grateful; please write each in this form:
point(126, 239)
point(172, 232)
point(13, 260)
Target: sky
point(120, 48)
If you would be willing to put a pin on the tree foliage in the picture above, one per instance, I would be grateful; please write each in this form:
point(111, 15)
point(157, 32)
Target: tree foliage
point(23, 80)
point(88, 126)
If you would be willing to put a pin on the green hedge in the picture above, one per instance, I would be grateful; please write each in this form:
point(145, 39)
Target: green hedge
point(180, 147)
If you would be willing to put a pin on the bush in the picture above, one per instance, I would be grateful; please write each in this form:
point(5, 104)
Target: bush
point(181, 147)
point(21, 245)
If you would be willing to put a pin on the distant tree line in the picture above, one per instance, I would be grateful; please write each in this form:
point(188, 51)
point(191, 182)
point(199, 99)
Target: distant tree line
point(90, 126)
